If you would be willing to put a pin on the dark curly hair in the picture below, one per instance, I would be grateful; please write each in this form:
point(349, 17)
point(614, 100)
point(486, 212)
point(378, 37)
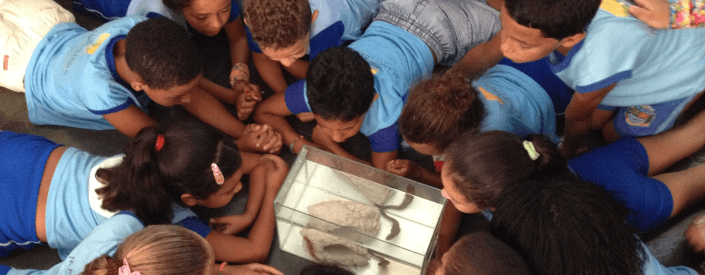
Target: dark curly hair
point(277, 24)
point(162, 53)
point(556, 19)
point(339, 84)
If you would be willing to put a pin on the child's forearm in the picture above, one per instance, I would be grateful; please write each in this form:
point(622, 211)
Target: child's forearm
point(239, 51)
point(270, 71)
point(209, 110)
point(298, 69)
point(219, 92)
point(428, 177)
point(450, 222)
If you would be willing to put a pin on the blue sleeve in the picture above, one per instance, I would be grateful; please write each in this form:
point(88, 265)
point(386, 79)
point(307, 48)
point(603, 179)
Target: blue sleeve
point(251, 42)
point(295, 97)
point(196, 225)
point(234, 11)
point(385, 140)
point(4, 269)
point(327, 38)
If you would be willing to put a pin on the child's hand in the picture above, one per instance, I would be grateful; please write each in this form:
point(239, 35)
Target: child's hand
point(402, 167)
point(251, 269)
point(232, 224)
point(250, 95)
point(655, 13)
point(277, 171)
point(261, 139)
point(696, 234)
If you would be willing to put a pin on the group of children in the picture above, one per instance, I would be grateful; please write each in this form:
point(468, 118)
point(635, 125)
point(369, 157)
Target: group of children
point(515, 68)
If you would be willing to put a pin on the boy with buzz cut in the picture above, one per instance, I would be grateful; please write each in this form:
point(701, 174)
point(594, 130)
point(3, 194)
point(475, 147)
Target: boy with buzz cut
point(630, 80)
point(280, 33)
point(103, 79)
point(362, 88)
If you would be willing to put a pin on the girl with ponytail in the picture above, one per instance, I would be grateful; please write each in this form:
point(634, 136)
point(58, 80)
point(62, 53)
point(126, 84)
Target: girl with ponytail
point(60, 194)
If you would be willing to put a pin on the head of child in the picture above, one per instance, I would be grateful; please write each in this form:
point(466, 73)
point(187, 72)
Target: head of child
point(206, 16)
point(340, 90)
point(559, 222)
point(479, 253)
point(282, 29)
point(175, 162)
point(165, 60)
point(438, 111)
point(158, 250)
point(533, 29)
point(324, 269)
point(479, 166)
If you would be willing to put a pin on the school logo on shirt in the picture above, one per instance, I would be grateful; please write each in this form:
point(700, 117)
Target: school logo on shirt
point(616, 7)
point(640, 116)
point(374, 71)
point(489, 96)
point(94, 46)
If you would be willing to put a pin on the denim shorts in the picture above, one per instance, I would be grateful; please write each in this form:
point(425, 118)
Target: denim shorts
point(450, 28)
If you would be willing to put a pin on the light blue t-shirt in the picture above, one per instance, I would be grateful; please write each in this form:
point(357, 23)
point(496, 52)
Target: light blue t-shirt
point(337, 21)
point(649, 66)
point(515, 103)
point(104, 239)
point(152, 9)
point(73, 208)
point(398, 60)
point(71, 78)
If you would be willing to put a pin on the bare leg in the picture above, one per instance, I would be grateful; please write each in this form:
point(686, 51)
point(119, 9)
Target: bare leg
point(687, 187)
point(668, 147)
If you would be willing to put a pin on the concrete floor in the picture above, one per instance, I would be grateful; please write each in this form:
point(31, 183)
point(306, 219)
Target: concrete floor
point(667, 243)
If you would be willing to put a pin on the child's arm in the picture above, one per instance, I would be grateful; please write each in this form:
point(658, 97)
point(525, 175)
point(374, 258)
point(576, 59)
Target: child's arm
point(409, 169)
point(246, 269)
point(243, 95)
point(270, 71)
point(233, 224)
point(578, 118)
point(239, 51)
point(208, 109)
point(272, 112)
point(255, 247)
point(129, 121)
point(655, 13)
point(480, 58)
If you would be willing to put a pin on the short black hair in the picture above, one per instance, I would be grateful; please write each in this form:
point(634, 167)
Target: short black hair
point(162, 53)
point(564, 225)
point(556, 19)
point(339, 84)
point(480, 253)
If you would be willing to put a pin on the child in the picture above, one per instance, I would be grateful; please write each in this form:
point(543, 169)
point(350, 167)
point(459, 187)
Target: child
point(615, 63)
point(479, 253)
point(62, 193)
point(112, 248)
point(480, 166)
point(567, 226)
point(95, 79)
point(324, 269)
point(662, 14)
point(362, 88)
point(282, 32)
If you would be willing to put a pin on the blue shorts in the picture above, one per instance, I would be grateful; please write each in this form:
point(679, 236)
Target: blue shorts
point(449, 27)
point(647, 120)
point(622, 168)
point(22, 161)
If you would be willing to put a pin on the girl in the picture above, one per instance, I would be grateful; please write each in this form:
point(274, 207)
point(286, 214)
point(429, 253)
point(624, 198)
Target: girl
point(480, 166)
point(62, 193)
point(112, 248)
point(479, 253)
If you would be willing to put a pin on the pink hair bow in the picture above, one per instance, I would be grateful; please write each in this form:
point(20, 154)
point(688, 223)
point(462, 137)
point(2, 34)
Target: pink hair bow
point(125, 269)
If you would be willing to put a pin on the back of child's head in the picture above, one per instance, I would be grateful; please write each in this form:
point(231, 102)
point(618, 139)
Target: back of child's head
point(162, 53)
point(339, 84)
point(177, 5)
point(482, 165)
point(479, 253)
point(164, 162)
point(158, 250)
point(324, 269)
point(277, 24)
point(556, 19)
point(564, 225)
point(439, 110)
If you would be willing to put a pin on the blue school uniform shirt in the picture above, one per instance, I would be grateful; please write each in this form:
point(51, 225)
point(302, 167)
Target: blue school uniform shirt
point(649, 66)
point(337, 21)
point(104, 239)
point(71, 78)
point(73, 208)
point(398, 60)
point(152, 9)
point(515, 103)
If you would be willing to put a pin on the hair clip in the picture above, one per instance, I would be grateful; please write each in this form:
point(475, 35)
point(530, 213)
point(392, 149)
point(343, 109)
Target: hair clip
point(529, 147)
point(125, 269)
point(160, 143)
point(219, 179)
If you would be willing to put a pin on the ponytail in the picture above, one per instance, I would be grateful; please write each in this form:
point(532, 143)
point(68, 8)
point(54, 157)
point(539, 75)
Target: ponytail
point(482, 165)
point(151, 178)
point(439, 110)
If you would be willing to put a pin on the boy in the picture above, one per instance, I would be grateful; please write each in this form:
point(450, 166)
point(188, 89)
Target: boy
point(638, 78)
point(363, 88)
point(103, 79)
point(282, 32)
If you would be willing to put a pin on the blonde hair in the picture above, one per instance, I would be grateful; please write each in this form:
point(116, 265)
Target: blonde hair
point(158, 250)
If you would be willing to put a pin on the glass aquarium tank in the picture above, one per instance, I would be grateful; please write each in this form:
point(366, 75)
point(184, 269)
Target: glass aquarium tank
point(335, 210)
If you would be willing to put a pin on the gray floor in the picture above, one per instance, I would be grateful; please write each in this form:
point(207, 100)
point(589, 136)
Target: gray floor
point(666, 243)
